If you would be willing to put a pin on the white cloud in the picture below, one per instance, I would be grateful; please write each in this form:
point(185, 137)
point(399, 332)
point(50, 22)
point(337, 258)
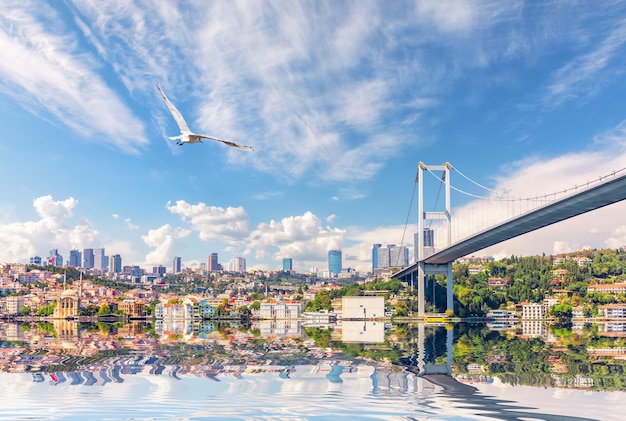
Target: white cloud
point(19, 240)
point(130, 224)
point(302, 238)
point(212, 222)
point(165, 242)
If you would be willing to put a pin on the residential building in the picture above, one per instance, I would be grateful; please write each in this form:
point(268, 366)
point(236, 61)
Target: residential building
point(534, 311)
point(14, 304)
point(608, 288)
point(612, 311)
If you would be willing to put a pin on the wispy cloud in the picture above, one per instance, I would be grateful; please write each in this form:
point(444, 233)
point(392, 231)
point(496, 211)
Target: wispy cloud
point(45, 71)
point(584, 75)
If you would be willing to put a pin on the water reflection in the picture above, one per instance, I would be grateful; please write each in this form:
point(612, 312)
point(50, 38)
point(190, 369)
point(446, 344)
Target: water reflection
point(355, 369)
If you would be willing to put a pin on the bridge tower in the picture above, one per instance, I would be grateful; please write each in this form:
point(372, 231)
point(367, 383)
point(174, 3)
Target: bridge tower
point(424, 268)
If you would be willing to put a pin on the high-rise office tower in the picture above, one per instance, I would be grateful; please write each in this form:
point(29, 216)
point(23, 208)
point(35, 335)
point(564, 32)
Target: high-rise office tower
point(54, 258)
point(383, 257)
point(76, 258)
point(99, 262)
point(237, 264)
point(334, 261)
point(115, 263)
point(177, 265)
point(288, 264)
point(399, 256)
point(159, 270)
point(35, 260)
point(212, 264)
point(375, 249)
point(88, 258)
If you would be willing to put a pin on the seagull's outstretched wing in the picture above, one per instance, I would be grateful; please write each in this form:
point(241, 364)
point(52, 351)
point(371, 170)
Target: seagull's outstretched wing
point(182, 124)
point(227, 142)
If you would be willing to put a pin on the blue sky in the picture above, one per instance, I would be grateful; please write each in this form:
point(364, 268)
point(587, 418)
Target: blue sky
point(340, 101)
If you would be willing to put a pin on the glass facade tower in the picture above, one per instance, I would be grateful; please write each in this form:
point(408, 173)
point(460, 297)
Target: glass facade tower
point(334, 262)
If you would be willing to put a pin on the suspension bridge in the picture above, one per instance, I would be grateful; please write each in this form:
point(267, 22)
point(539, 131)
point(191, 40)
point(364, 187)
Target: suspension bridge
point(506, 218)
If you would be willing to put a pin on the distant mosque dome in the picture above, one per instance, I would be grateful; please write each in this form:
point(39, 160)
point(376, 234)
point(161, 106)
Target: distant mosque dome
point(69, 293)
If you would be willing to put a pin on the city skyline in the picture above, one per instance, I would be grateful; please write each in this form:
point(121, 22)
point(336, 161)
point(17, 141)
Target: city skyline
point(339, 102)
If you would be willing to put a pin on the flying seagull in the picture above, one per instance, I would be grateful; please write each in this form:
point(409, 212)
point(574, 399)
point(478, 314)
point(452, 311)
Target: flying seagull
point(186, 136)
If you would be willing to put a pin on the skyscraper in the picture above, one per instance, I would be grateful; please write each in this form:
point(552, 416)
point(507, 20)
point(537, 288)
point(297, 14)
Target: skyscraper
point(115, 263)
point(99, 262)
point(288, 264)
point(375, 249)
point(398, 256)
point(54, 258)
point(35, 260)
point(334, 261)
point(159, 270)
point(212, 264)
point(88, 258)
point(176, 265)
point(76, 258)
point(237, 264)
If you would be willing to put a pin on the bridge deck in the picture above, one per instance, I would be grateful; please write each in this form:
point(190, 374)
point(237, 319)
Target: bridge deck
point(576, 204)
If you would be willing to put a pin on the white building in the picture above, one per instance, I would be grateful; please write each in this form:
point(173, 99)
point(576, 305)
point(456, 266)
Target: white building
point(280, 310)
point(534, 311)
point(237, 264)
point(362, 308)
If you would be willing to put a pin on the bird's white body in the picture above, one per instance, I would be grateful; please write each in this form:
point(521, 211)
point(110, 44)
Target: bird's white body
point(186, 135)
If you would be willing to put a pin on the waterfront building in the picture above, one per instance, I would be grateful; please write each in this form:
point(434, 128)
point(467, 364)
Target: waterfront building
point(14, 304)
point(132, 307)
point(362, 307)
point(334, 262)
point(534, 311)
point(612, 311)
point(280, 310)
point(287, 264)
point(67, 305)
point(177, 265)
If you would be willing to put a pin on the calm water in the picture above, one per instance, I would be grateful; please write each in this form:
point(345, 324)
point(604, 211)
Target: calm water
point(65, 371)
